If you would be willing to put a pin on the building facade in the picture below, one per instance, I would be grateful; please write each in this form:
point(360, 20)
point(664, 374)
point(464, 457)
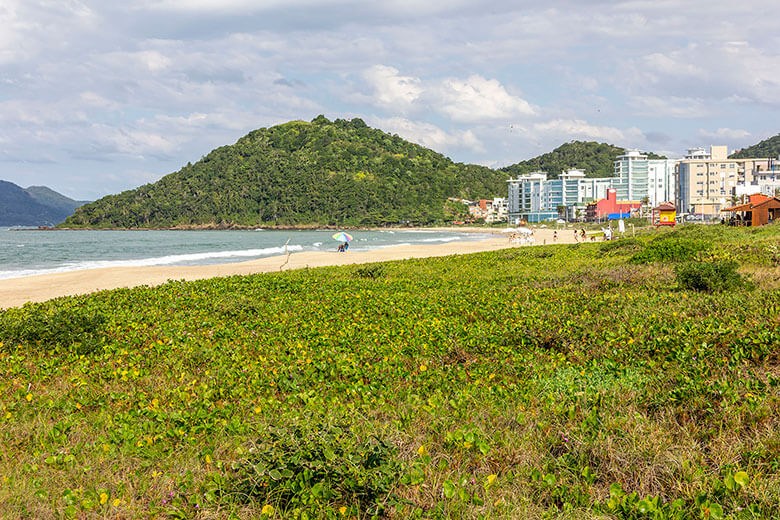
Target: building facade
point(535, 198)
point(707, 182)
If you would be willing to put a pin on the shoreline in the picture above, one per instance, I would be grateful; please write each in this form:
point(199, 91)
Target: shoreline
point(15, 292)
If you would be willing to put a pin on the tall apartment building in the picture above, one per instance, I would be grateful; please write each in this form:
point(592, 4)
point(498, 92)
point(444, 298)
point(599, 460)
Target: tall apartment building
point(707, 182)
point(534, 198)
point(638, 178)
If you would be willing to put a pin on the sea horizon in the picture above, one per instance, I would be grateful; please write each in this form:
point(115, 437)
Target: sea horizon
point(28, 252)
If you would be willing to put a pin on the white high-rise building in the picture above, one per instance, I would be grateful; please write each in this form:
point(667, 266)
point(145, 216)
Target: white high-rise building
point(660, 180)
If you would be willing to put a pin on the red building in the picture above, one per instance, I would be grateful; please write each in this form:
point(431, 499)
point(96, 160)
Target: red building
point(611, 208)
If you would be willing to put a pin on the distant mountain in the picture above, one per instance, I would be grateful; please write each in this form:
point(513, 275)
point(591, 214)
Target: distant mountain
point(49, 197)
point(339, 173)
point(596, 159)
point(766, 148)
point(35, 206)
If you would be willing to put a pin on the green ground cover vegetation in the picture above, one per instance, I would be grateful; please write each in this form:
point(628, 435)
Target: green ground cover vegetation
point(568, 381)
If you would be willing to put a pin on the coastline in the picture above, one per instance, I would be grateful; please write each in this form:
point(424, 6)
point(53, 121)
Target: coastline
point(15, 292)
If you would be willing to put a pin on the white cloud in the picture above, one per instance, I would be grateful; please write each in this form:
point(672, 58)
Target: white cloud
point(471, 100)
point(672, 106)
point(726, 134)
point(429, 135)
point(477, 99)
point(715, 71)
point(568, 129)
point(391, 91)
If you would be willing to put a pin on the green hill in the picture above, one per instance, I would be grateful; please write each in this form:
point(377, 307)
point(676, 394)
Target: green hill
point(766, 148)
point(49, 197)
point(596, 159)
point(34, 206)
point(301, 174)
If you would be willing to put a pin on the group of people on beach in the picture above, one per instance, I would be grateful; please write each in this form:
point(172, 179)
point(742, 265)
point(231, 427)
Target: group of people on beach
point(582, 235)
point(343, 247)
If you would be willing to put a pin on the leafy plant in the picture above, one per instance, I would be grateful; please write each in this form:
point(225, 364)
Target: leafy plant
point(308, 468)
point(709, 276)
point(671, 248)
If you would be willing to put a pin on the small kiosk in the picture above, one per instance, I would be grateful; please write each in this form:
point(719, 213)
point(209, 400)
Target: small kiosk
point(664, 214)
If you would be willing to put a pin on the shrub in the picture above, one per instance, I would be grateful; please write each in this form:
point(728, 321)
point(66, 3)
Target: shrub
point(621, 246)
point(312, 468)
point(670, 249)
point(709, 276)
point(370, 271)
point(63, 327)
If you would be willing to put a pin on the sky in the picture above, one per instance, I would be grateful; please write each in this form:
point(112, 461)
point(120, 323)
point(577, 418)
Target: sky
point(98, 97)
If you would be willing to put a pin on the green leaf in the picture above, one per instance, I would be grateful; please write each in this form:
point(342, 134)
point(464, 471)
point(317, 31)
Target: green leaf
point(449, 489)
point(716, 511)
point(742, 479)
point(645, 506)
point(275, 474)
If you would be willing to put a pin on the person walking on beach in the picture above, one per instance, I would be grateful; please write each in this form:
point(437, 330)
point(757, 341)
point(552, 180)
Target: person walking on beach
point(555, 236)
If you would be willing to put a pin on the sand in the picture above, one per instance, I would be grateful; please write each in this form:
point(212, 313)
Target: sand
point(17, 291)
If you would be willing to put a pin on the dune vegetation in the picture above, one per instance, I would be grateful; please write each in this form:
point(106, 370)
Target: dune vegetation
point(630, 379)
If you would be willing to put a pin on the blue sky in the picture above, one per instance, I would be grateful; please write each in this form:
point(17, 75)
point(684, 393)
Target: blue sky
point(98, 98)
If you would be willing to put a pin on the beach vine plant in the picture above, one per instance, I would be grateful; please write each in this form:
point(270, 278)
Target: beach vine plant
point(540, 382)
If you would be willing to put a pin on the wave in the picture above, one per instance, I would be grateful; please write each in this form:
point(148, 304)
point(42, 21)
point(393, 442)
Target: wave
point(444, 239)
point(190, 258)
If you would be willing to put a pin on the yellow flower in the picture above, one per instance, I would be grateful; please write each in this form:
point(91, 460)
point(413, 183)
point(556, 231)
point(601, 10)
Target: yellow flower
point(343, 510)
point(491, 479)
point(423, 368)
point(103, 498)
point(268, 509)
point(29, 397)
point(422, 450)
point(116, 502)
point(208, 459)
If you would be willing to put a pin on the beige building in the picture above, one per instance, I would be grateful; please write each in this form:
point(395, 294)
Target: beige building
point(707, 182)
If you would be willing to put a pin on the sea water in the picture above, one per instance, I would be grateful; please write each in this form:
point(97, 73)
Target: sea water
point(31, 252)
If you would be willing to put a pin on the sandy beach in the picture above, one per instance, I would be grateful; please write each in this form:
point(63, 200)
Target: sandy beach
point(17, 291)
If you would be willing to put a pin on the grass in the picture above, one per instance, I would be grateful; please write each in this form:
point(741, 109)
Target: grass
point(556, 381)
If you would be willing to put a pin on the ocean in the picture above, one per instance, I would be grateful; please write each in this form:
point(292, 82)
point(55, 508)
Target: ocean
point(32, 252)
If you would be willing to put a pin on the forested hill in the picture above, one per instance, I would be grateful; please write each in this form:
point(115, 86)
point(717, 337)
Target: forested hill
point(596, 159)
point(766, 148)
point(34, 206)
point(301, 174)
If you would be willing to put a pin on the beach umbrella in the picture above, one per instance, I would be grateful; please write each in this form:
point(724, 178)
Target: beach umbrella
point(342, 237)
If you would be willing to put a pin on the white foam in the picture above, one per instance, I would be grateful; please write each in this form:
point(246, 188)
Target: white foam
point(445, 239)
point(194, 258)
